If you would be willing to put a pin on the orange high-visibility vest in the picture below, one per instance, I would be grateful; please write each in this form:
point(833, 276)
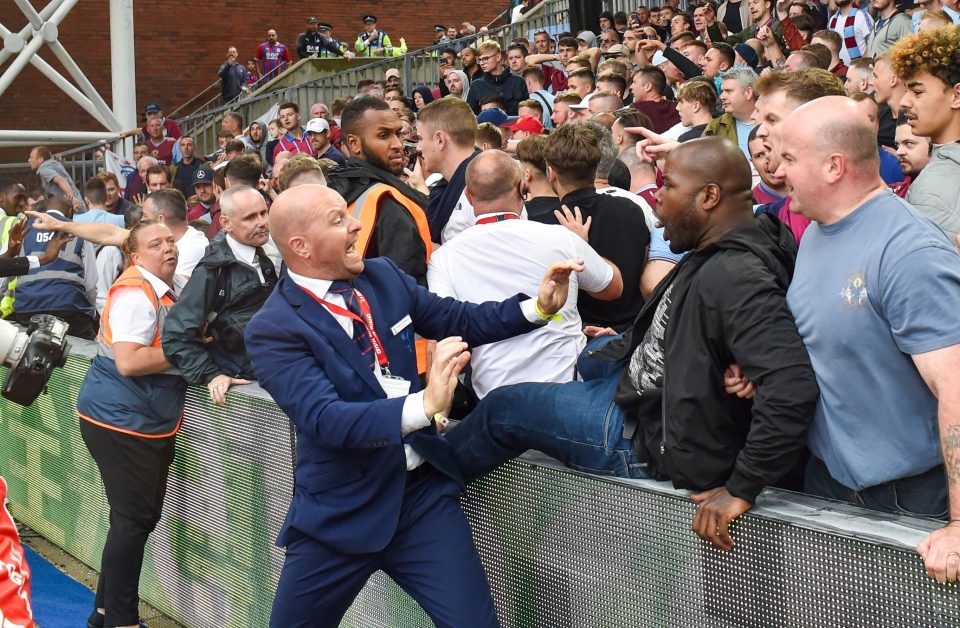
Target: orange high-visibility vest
point(365, 209)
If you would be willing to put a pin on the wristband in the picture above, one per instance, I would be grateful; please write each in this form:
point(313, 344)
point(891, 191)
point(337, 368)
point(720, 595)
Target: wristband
point(440, 420)
point(543, 315)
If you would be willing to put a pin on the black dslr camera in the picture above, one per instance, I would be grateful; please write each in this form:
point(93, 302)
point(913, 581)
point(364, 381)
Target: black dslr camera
point(32, 356)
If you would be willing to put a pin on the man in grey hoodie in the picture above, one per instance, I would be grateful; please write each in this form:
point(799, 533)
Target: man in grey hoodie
point(926, 63)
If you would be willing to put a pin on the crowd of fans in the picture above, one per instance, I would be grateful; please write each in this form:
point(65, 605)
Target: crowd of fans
point(763, 196)
point(272, 57)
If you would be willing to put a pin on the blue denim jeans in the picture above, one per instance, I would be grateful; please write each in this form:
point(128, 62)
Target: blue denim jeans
point(589, 367)
point(577, 423)
point(923, 495)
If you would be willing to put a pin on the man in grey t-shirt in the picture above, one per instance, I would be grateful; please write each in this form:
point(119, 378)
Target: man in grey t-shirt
point(875, 295)
point(56, 181)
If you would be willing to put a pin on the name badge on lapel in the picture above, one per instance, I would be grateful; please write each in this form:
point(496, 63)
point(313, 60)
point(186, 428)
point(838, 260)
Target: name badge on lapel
point(401, 324)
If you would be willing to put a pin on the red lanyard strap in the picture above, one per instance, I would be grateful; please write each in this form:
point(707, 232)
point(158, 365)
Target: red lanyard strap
point(497, 218)
point(366, 319)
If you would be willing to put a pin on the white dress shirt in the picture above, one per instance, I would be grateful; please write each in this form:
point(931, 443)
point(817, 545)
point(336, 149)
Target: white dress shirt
point(191, 246)
point(412, 417)
point(246, 254)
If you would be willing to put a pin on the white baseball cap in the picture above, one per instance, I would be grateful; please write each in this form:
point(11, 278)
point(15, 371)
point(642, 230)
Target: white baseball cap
point(318, 125)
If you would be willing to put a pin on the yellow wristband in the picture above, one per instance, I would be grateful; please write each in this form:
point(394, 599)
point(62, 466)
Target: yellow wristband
point(543, 315)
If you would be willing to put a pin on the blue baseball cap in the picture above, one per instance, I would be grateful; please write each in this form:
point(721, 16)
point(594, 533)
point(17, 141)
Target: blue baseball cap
point(497, 117)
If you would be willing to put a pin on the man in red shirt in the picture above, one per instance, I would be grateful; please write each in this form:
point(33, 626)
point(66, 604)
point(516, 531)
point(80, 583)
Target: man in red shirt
point(170, 128)
point(294, 139)
point(647, 88)
point(160, 147)
point(272, 57)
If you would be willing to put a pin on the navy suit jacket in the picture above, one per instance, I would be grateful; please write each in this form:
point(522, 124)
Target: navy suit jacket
point(351, 465)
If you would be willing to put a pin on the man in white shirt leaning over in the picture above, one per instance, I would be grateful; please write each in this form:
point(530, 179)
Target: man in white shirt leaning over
point(502, 255)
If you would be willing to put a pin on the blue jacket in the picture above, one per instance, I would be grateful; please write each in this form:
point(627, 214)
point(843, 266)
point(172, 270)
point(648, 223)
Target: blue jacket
point(68, 283)
point(351, 466)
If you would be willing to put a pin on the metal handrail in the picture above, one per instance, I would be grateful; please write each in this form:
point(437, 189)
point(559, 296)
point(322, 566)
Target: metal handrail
point(418, 67)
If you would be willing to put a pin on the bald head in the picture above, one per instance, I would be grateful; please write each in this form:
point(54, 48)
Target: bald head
point(830, 158)
point(295, 209)
point(712, 160)
point(835, 124)
point(238, 196)
point(493, 180)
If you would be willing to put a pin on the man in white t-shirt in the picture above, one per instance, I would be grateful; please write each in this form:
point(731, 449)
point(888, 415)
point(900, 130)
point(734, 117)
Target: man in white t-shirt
point(169, 207)
point(503, 255)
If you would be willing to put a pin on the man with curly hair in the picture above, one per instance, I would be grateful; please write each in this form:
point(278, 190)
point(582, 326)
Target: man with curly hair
point(929, 65)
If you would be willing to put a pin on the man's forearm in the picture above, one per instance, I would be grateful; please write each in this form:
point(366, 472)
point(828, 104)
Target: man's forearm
point(539, 58)
point(98, 233)
point(950, 446)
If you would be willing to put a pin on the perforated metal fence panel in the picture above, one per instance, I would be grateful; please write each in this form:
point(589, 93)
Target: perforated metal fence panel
point(563, 549)
point(211, 561)
point(560, 548)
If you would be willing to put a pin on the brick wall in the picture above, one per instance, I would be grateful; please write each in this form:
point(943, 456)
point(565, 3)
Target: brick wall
point(180, 45)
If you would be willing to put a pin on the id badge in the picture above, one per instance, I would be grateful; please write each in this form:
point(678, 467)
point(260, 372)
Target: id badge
point(392, 385)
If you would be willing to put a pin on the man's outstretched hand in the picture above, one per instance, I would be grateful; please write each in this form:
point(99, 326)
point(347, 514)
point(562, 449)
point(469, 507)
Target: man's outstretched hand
point(556, 284)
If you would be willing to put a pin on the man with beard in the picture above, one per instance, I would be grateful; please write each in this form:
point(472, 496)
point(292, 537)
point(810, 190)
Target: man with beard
point(206, 205)
point(318, 130)
point(188, 166)
point(228, 286)
point(724, 303)
point(392, 213)
point(468, 58)
point(913, 153)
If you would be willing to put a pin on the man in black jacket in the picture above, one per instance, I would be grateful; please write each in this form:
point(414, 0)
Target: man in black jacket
point(392, 214)
point(661, 410)
point(496, 79)
point(311, 42)
point(229, 285)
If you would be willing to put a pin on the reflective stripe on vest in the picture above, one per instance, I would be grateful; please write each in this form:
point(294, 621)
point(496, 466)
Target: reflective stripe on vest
point(6, 302)
point(69, 255)
point(367, 206)
point(365, 209)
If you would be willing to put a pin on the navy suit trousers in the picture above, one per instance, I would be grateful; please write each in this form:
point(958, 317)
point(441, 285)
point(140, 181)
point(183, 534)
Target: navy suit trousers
point(431, 557)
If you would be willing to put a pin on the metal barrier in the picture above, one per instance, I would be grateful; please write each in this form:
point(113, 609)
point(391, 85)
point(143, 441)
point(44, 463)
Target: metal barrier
point(560, 548)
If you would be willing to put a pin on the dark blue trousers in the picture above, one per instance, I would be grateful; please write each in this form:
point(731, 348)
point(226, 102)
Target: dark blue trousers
point(432, 557)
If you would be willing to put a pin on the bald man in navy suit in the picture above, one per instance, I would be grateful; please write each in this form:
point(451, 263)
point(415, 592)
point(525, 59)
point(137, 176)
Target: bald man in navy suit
point(376, 485)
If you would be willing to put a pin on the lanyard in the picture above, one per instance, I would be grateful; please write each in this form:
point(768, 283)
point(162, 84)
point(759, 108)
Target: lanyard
point(366, 319)
point(497, 218)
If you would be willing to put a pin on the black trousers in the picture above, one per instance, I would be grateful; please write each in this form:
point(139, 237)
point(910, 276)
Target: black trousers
point(134, 472)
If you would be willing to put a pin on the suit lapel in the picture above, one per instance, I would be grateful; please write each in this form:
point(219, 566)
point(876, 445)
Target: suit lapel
point(320, 319)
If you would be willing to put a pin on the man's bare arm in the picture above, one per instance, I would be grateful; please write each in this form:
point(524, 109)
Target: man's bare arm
point(940, 369)
point(98, 233)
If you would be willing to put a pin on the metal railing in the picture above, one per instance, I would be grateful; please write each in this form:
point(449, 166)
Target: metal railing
point(418, 67)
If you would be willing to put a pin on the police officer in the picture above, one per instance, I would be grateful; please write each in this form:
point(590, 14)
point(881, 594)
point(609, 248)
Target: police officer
point(313, 41)
point(130, 406)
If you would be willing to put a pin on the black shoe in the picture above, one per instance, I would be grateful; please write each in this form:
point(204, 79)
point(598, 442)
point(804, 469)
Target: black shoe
point(95, 620)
